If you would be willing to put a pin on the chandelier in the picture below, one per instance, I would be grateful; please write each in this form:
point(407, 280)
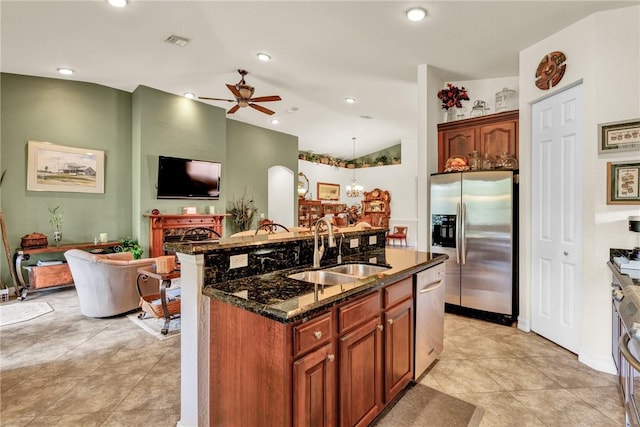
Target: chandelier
point(354, 189)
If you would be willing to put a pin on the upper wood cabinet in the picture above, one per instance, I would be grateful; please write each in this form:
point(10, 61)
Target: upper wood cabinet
point(493, 135)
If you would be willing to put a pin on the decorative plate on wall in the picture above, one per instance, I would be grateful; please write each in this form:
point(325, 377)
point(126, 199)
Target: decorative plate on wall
point(550, 70)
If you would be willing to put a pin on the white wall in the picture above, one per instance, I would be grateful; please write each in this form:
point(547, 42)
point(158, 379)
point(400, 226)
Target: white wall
point(484, 90)
point(603, 51)
point(399, 180)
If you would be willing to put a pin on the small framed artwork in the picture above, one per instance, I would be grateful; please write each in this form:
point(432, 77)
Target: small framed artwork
point(623, 187)
point(328, 191)
point(619, 136)
point(53, 167)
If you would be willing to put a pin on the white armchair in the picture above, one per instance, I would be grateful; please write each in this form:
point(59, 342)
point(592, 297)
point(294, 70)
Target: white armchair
point(106, 283)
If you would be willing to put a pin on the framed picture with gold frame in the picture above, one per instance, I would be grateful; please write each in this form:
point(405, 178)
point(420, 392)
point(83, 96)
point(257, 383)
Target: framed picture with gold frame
point(328, 191)
point(623, 183)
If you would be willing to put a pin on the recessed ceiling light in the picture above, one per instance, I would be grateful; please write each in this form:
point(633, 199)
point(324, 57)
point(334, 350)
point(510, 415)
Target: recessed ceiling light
point(264, 57)
point(275, 121)
point(350, 100)
point(65, 71)
point(117, 3)
point(189, 95)
point(416, 14)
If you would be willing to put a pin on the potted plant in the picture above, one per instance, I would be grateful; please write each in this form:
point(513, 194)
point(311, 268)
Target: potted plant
point(56, 221)
point(451, 98)
point(395, 160)
point(130, 244)
point(242, 212)
point(381, 160)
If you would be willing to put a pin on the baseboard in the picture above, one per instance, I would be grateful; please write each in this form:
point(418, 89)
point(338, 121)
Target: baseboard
point(524, 324)
point(597, 361)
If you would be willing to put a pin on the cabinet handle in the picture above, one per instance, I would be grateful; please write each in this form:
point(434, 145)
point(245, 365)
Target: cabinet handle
point(317, 334)
point(390, 321)
point(380, 327)
point(331, 357)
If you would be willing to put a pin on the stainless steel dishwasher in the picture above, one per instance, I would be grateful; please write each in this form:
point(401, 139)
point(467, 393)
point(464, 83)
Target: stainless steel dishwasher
point(429, 340)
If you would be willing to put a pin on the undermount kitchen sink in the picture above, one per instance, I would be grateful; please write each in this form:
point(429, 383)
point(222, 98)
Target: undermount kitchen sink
point(322, 277)
point(357, 270)
point(340, 274)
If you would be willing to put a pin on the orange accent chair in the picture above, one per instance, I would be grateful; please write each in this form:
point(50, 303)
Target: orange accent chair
point(399, 233)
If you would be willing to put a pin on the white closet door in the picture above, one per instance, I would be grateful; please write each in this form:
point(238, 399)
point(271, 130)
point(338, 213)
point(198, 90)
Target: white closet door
point(556, 217)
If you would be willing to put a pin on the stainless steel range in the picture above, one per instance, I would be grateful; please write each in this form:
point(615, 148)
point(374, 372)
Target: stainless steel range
point(626, 329)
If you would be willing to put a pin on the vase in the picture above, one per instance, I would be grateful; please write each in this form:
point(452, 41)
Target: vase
point(450, 114)
point(57, 236)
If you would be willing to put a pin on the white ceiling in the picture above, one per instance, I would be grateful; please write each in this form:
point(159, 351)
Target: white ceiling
point(323, 51)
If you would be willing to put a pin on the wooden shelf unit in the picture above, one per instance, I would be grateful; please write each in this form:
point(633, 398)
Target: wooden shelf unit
point(163, 225)
point(376, 208)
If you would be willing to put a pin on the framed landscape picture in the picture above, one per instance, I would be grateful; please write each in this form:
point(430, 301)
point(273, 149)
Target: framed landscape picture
point(623, 187)
point(53, 167)
point(328, 191)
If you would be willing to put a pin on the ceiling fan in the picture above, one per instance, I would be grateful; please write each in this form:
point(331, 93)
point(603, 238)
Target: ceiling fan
point(243, 93)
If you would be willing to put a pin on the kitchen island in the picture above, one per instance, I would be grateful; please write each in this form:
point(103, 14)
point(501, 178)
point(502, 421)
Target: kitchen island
point(255, 341)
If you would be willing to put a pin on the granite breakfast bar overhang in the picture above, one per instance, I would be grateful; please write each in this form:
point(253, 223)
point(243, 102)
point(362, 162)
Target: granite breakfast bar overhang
point(204, 275)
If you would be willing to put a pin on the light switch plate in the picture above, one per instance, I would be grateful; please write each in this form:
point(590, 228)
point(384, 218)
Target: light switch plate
point(353, 243)
point(373, 260)
point(237, 261)
point(373, 240)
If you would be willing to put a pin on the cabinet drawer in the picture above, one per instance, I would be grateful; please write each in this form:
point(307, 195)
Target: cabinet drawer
point(398, 292)
point(311, 334)
point(359, 311)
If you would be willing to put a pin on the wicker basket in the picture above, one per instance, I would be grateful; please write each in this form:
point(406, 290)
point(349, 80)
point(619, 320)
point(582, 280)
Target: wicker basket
point(155, 310)
point(165, 264)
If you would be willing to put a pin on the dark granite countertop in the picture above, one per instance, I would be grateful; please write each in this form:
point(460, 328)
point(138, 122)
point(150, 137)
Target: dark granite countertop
point(276, 296)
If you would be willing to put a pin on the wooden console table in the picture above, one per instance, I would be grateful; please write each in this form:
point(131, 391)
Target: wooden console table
point(60, 275)
point(161, 226)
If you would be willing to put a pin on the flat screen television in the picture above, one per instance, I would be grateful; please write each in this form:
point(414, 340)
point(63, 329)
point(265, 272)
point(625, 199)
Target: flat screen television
point(188, 179)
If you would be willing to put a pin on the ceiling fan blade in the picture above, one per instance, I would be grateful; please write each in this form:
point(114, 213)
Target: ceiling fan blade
point(217, 99)
point(266, 98)
point(233, 109)
point(234, 91)
point(261, 109)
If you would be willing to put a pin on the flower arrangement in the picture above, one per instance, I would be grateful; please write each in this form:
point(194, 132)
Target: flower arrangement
point(452, 95)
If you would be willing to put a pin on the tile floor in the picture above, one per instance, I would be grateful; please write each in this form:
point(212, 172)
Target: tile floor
point(63, 369)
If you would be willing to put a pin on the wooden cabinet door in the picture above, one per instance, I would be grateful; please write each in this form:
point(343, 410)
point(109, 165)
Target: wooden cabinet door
point(455, 142)
point(499, 138)
point(314, 391)
point(361, 374)
point(398, 353)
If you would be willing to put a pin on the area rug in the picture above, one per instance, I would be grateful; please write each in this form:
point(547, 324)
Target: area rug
point(22, 311)
point(154, 326)
point(422, 406)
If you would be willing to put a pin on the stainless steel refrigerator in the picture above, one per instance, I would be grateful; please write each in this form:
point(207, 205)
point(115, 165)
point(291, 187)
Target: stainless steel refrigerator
point(474, 221)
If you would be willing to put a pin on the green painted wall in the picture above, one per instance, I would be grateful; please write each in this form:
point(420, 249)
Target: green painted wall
point(73, 114)
point(133, 129)
point(251, 151)
point(170, 125)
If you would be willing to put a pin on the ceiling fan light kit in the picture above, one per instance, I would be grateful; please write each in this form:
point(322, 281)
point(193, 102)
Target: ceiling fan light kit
point(243, 93)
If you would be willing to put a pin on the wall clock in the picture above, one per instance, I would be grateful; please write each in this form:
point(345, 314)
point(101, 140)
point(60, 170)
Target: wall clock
point(550, 70)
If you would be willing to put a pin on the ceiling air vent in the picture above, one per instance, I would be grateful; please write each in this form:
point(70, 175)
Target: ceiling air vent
point(177, 40)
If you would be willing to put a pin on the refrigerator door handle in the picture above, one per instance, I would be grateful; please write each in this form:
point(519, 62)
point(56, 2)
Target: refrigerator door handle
point(457, 233)
point(463, 237)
